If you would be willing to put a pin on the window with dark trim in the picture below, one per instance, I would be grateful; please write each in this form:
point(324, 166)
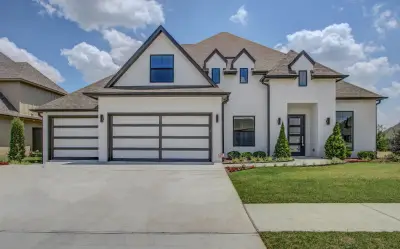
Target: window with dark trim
point(244, 75)
point(162, 68)
point(244, 131)
point(215, 75)
point(302, 78)
point(346, 122)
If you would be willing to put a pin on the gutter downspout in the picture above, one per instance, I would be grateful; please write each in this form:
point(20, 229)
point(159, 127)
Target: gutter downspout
point(376, 126)
point(268, 115)
point(223, 122)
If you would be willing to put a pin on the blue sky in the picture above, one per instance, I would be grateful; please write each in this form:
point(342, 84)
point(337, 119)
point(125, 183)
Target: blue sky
point(77, 42)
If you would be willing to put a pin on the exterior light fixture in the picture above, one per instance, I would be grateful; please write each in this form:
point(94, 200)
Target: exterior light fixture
point(216, 118)
point(328, 121)
point(101, 118)
point(279, 121)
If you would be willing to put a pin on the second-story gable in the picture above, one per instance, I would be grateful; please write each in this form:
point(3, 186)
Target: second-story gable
point(161, 62)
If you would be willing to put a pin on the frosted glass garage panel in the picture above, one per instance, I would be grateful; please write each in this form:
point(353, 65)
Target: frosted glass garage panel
point(135, 131)
point(185, 143)
point(135, 154)
point(185, 154)
point(78, 132)
point(75, 143)
point(75, 153)
point(136, 143)
point(185, 131)
point(185, 120)
point(75, 121)
point(136, 120)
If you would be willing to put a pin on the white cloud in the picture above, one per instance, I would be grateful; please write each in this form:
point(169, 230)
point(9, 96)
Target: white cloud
point(103, 14)
point(392, 91)
point(92, 62)
point(384, 19)
point(122, 46)
point(21, 55)
point(241, 16)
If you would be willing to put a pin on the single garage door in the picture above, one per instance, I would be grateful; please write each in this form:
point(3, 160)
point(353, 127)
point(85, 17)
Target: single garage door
point(73, 137)
point(166, 137)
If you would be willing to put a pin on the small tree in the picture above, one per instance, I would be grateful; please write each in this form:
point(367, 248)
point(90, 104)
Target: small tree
point(335, 145)
point(395, 143)
point(17, 141)
point(382, 142)
point(282, 149)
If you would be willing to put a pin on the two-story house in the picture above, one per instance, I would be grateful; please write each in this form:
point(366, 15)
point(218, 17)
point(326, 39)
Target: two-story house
point(193, 102)
point(22, 88)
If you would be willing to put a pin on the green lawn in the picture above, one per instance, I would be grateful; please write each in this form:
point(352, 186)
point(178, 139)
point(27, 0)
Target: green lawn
point(351, 183)
point(330, 240)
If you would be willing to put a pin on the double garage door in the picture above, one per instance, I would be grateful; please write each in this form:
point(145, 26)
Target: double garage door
point(166, 137)
point(157, 137)
point(73, 137)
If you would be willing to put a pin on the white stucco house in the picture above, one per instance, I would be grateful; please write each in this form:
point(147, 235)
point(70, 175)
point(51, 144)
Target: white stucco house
point(193, 102)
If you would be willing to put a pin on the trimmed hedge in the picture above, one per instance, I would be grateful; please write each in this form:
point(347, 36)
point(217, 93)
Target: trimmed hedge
point(234, 154)
point(246, 155)
point(17, 141)
point(260, 154)
point(335, 145)
point(282, 149)
point(366, 155)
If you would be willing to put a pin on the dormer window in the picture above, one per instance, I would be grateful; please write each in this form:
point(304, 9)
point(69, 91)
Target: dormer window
point(302, 78)
point(215, 75)
point(244, 75)
point(161, 68)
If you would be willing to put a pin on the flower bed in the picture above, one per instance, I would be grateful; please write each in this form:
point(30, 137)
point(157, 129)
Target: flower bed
point(283, 160)
point(3, 163)
point(236, 169)
point(355, 160)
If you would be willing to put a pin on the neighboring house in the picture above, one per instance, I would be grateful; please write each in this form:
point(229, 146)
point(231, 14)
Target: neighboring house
point(173, 102)
point(22, 88)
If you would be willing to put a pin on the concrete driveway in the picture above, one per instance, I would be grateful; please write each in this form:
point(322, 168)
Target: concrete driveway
point(122, 206)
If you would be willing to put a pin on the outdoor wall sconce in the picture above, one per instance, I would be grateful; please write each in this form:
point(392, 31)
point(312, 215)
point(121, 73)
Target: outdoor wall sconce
point(216, 118)
point(279, 121)
point(328, 121)
point(101, 118)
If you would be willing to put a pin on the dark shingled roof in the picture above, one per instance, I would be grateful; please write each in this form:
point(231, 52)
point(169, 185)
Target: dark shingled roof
point(23, 71)
point(345, 90)
point(6, 108)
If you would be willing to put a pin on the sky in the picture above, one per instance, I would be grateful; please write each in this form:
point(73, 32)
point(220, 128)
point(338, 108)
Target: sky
point(76, 42)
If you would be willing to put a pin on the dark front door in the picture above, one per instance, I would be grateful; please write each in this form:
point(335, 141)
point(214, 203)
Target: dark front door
point(37, 139)
point(296, 134)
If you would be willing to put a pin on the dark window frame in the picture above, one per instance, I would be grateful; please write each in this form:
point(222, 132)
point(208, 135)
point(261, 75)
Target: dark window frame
point(247, 75)
point(219, 75)
point(172, 68)
point(299, 83)
point(352, 128)
point(254, 132)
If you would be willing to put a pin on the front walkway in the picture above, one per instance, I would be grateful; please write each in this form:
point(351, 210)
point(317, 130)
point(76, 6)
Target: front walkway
point(325, 217)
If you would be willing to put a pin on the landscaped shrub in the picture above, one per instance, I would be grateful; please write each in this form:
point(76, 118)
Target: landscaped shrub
point(35, 154)
point(382, 142)
point(395, 143)
point(282, 149)
point(348, 153)
point(335, 145)
point(246, 155)
point(259, 154)
point(366, 155)
point(234, 154)
point(393, 158)
point(17, 141)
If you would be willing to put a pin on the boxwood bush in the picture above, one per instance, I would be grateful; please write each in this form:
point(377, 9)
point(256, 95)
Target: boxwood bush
point(247, 155)
point(233, 154)
point(366, 155)
point(260, 154)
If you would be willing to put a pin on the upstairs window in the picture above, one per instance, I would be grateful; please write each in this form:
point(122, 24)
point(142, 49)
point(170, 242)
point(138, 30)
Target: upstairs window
point(215, 75)
point(161, 68)
point(244, 75)
point(302, 78)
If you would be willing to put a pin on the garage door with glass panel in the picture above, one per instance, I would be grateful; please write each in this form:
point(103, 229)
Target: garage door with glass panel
point(73, 137)
point(160, 137)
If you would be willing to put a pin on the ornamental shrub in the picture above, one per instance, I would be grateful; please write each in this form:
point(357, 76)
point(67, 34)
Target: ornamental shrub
point(282, 149)
point(335, 145)
point(247, 155)
point(395, 143)
point(366, 155)
point(233, 154)
point(382, 142)
point(259, 154)
point(348, 153)
point(17, 141)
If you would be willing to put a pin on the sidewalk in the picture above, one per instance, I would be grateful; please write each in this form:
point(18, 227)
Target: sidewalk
point(351, 217)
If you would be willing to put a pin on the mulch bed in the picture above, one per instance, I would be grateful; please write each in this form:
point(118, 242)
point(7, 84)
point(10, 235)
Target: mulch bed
point(236, 169)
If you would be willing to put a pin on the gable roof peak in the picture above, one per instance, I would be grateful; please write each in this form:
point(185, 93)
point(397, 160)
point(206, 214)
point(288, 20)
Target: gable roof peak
point(215, 51)
point(243, 51)
point(303, 52)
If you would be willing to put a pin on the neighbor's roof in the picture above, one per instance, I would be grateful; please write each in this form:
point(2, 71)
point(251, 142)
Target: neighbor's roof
point(345, 90)
point(23, 71)
point(7, 109)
